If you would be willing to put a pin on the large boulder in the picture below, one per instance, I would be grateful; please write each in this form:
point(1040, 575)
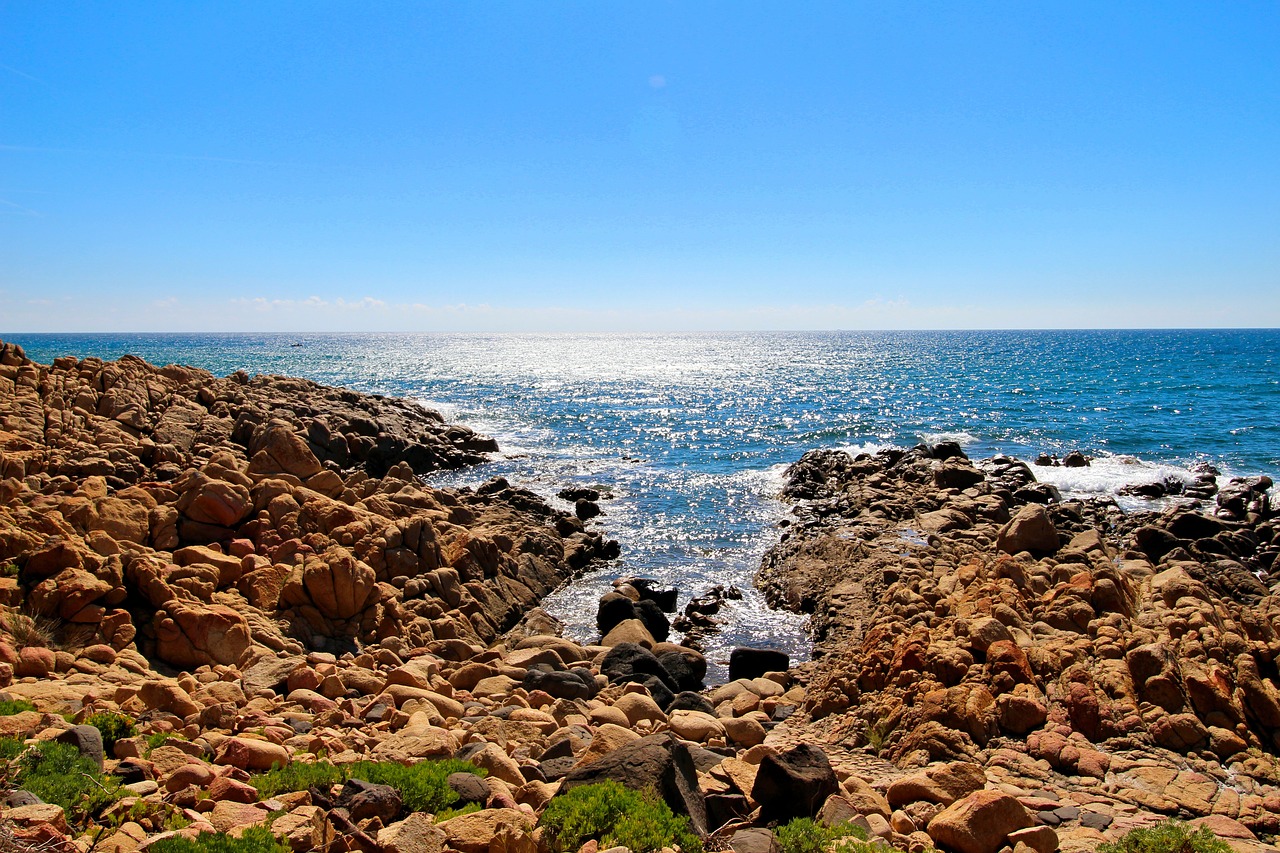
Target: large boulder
point(1030, 530)
point(980, 823)
point(658, 761)
point(794, 783)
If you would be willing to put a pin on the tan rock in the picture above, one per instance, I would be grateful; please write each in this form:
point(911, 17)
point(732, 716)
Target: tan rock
point(303, 829)
point(744, 731)
point(607, 738)
point(415, 834)
point(494, 759)
point(490, 831)
point(639, 706)
point(415, 741)
point(1030, 530)
point(252, 754)
point(228, 815)
point(942, 784)
point(629, 631)
point(865, 799)
point(979, 823)
point(696, 726)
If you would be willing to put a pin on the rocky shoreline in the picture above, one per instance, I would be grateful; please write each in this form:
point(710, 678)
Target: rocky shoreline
point(1100, 670)
point(249, 572)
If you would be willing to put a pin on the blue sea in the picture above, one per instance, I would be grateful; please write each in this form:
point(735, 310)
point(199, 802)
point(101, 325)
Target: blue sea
point(691, 433)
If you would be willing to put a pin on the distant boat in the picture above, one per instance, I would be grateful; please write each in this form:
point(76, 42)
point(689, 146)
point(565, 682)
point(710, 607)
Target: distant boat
point(295, 345)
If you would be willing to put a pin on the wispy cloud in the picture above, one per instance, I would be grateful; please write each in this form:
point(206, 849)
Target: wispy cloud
point(14, 209)
point(262, 303)
point(22, 74)
point(143, 155)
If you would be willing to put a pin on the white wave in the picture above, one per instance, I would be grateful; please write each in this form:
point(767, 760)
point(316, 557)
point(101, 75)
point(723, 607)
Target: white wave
point(960, 437)
point(871, 448)
point(1105, 475)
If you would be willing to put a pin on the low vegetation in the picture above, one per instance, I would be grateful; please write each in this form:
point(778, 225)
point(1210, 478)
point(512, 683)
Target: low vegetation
point(423, 787)
point(255, 839)
point(1170, 836)
point(57, 773)
point(9, 707)
point(113, 727)
point(616, 816)
point(803, 835)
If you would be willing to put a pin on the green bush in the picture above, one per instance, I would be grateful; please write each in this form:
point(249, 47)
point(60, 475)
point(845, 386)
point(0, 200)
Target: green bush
point(423, 787)
point(256, 839)
point(8, 570)
point(11, 748)
point(803, 835)
point(1170, 836)
point(58, 773)
point(113, 727)
point(616, 816)
point(9, 707)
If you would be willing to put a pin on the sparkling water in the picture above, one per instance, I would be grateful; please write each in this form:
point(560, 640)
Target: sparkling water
point(690, 434)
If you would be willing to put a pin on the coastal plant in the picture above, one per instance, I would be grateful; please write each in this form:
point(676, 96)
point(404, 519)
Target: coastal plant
point(255, 839)
point(27, 630)
point(58, 773)
point(1169, 836)
point(804, 835)
point(9, 707)
point(423, 787)
point(8, 570)
point(615, 815)
point(113, 727)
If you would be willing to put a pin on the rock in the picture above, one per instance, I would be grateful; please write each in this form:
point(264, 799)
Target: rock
point(941, 784)
point(417, 833)
point(503, 830)
point(1030, 530)
point(794, 783)
point(753, 840)
point(752, 663)
point(979, 823)
point(251, 754)
point(1041, 839)
point(87, 739)
point(657, 761)
point(364, 800)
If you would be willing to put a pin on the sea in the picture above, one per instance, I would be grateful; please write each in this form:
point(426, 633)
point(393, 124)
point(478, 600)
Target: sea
point(689, 436)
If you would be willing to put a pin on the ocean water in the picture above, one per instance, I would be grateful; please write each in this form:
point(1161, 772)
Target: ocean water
point(690, 434)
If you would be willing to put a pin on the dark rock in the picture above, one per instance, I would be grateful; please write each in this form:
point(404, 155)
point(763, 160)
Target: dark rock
point(555, 769)
point(1044, 460)
point(364, 800)
point(1155, 542)
point(658, 689)
point(690, 701)
point(572, 683)
point(630, 662)
point(469, 787)
point(613, 609)
point(1038, 493)
point(722, 808)
point(658, 761)
point(746, 662)
point(957, 475)
point(1075, 459)
point(1093, 820)
point(1194, 525)
point(87, 739)
point(17, 799)
point(585, 509)
point(1048, 818)
point(794, 783)
point(130, 770)
point(1067, 813)
point(683, 671)
point(655, 622)
point(754, 840)
point(947, 450)
point(580, 493)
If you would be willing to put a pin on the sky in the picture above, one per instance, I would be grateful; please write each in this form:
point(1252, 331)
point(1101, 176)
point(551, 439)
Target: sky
point(565, 166)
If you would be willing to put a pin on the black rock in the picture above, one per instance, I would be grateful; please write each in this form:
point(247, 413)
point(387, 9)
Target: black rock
point(746, 662)
point(585, 509)
point(562, 748)
point(1194, 525)
point(1075, 459)
point(580, 493)
point(722, 808)
point(630, 662)
point(555, 769)
point(947, 450)
point(613, 609)
point(683, 671)
point(1155, 542)
point(17, 799)
point(658, 689)
point(660, 762)
point(130, 770)
point(690, 701)
point(574, 683)
point(469, 787)
point(364, 800)
point(794, 783)
point(655, 622)
point(87, 739)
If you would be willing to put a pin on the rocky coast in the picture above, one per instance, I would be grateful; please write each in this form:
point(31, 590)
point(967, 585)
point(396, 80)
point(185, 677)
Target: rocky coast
point(247, 573)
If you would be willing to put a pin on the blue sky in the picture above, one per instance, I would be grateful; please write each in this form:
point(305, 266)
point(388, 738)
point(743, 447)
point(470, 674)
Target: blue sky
point(561, 166)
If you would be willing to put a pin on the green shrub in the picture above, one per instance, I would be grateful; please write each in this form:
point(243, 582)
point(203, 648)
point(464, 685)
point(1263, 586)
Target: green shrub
point(297, 777)
point(1170, 836)
point(58, 773)
point(9, 707)
point(616, 815)
point(113, 727)
point(256, 839)
point(423, 787)
point(11, 748)
point(8, 570)
point(803, 835)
